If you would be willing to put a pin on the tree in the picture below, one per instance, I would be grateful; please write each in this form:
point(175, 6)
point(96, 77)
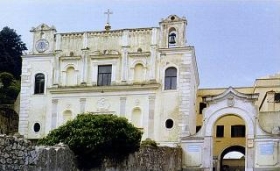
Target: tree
point(94, 138)
point(11, 48)
point(9, 89)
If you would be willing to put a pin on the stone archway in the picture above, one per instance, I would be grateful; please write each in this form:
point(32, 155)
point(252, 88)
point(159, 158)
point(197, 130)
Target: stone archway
point(235, 103)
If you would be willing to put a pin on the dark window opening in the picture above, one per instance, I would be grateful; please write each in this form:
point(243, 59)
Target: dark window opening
point(238, 131)
point(220, 131)
point(169, 123)
point(36, 127)
point(277, 97)
point(104, 75)
point(197, 128)
point(201, 107)
point(170, 79)
point(39, 84)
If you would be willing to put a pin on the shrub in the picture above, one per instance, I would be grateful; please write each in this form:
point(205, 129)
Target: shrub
point(94, 138)
point(6, 79)
point(149, 143)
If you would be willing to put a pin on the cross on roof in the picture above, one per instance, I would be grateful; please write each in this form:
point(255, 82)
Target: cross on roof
point(108, 15)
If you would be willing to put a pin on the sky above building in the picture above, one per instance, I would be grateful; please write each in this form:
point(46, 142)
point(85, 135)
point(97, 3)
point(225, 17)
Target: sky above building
point(236, 41)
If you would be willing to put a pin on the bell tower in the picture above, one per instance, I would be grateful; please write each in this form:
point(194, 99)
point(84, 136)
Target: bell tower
point(173, 31)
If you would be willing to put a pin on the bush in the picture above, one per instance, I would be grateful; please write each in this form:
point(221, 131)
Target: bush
point(149, 143)
point(94, 138)
point(6, 79)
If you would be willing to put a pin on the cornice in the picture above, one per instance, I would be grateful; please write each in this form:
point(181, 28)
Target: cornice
point(103, 89)
point(139, 54)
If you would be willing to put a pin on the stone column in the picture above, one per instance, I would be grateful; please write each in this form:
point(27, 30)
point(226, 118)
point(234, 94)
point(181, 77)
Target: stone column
point(151, 116)
point(54, 113)
point(82, 105)
point(122, 106)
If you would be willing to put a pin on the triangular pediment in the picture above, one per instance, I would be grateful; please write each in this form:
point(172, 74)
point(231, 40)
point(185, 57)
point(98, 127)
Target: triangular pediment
point(230, 93)
point(173, 18)
point(42, 27)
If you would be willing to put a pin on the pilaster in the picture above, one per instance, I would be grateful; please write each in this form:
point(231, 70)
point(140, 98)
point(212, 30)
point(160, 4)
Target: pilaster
point(54, 113)
point(151, 116)
point(82, 105)
point(122, 106)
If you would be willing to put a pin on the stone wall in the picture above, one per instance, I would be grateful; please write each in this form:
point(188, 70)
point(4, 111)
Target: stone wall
point(149, 159)
point(18, 154)
point(8, 120)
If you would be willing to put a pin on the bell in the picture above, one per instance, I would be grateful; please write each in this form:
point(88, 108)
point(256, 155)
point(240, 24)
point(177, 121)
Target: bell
point(172, 37)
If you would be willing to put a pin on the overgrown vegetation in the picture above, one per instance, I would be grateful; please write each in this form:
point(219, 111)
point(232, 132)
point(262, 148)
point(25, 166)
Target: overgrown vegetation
point(149, 143)
point(94, 138)
point(9, 89)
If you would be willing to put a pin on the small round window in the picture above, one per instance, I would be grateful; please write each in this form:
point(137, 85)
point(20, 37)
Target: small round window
point(36, 127)
point(169, 123)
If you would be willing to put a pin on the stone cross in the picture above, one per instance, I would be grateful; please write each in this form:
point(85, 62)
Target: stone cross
point(108, 15)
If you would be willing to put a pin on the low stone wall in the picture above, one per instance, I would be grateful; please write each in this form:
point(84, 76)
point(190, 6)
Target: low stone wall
point(8, 120)
point(149, 159)
point(18, 154)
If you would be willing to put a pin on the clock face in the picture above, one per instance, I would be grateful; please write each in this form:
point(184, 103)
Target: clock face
point(42, 45)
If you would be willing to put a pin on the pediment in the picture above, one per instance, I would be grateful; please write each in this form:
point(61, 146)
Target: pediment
point(173, 18)
point(231, 93)
point(42, 27)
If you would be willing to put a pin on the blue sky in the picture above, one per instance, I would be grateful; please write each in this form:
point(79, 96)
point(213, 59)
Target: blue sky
point(235, 41)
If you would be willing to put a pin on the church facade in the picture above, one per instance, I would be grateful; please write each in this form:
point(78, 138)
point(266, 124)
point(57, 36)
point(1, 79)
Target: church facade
point(149, 76)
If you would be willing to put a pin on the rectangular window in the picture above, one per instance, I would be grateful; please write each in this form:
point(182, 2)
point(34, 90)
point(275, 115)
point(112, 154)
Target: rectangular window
point(238, 131)
point(277, 97)
point(104, 75)
point(198, 128)
point(220, 131)
point(201, 107)
point(170, 82)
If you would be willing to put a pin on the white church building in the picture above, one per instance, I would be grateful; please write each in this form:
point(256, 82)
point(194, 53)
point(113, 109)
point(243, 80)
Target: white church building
point(148, 75)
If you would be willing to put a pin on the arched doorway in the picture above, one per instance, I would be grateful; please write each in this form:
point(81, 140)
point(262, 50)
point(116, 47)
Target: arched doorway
point(229, 103)
point(229, 133)
point(233, 158)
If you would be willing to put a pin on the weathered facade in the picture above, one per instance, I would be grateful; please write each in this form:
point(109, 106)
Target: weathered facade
point(150, 76)
point(147, 75)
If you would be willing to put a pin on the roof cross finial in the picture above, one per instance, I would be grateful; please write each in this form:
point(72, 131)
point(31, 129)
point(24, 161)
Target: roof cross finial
point(107, 26)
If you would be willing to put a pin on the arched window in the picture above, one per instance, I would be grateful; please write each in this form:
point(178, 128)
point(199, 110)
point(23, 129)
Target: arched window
point(172, 37)
point(170, 79)
point(39, 83)
point(70, 76)
point(136, 118)
point(138, 73)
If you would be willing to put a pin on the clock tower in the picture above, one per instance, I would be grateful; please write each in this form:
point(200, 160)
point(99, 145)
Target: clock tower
point(43, 39)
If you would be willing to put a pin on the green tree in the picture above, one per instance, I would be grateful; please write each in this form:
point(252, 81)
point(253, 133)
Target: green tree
point(11, 48)
point(9, 89)
point(94, 138)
